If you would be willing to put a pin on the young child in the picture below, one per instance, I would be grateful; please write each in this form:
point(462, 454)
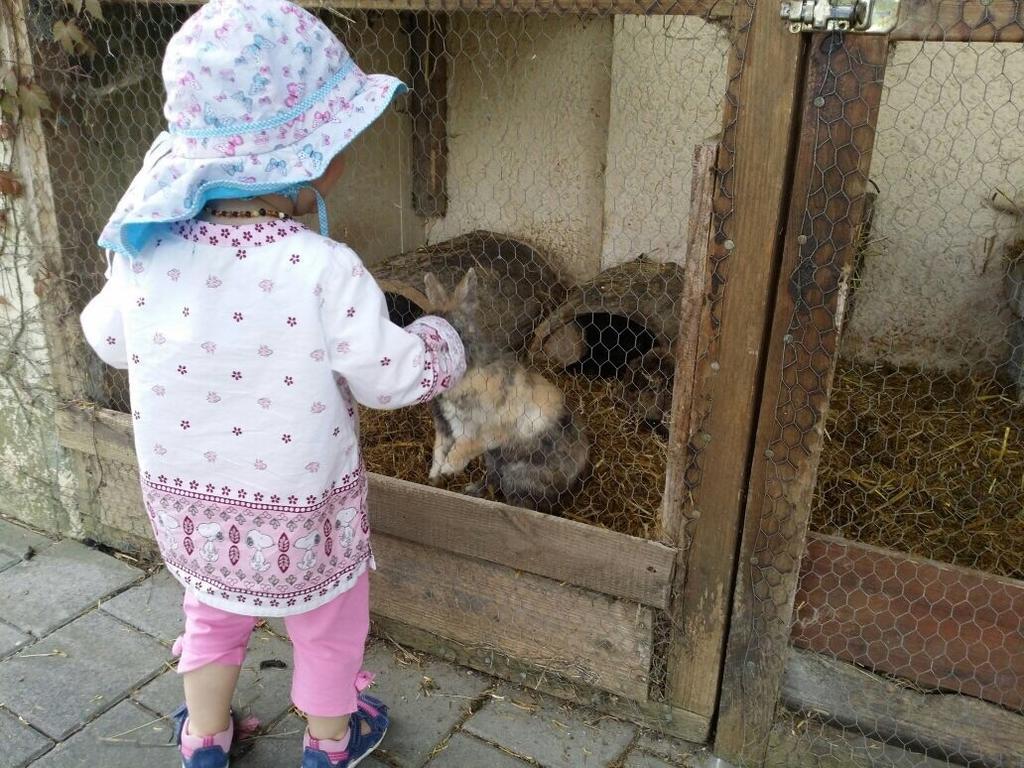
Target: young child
point(249, 340)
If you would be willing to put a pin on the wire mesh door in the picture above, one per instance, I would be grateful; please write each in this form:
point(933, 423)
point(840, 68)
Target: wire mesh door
point(900, 642)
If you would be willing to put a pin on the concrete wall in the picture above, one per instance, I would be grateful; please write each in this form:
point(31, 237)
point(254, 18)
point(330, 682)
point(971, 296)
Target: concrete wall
point(528, 130)
point(668, 78)
point(951, 132)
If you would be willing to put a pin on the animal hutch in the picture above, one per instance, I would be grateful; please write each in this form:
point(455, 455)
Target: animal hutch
point(674, 208)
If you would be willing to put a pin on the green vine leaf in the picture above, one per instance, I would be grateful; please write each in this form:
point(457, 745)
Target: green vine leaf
point(72, 39)
point(94, 9)
point(33, 100)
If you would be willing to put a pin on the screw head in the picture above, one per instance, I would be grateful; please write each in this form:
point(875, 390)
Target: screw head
point(729, 245)
point(819, 101)
point(802, 239)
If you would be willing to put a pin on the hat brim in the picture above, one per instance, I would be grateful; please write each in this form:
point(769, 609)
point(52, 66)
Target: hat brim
point(174, 187)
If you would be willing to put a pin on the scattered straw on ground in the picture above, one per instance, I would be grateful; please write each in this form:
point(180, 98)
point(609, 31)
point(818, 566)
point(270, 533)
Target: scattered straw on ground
point(622, 492)
point(927, 464)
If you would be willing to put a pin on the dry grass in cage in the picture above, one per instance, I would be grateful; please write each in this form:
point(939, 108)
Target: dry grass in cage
point(621, 492)
point(924, 463)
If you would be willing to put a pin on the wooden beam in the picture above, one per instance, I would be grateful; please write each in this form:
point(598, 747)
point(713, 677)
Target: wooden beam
point(648, 714)
point(577, 634)
point(428, 108)
point(936, 625)
point(691, 307)
point(749, 207)
point(952, 21)
point(956, 728)
point(812, 744)
point(710, 9)
point(840, 109)
point(566, 551)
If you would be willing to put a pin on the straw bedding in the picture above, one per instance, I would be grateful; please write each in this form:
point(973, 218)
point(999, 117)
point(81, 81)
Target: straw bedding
point(926, 464)
point(622, 491)
point(913, 461)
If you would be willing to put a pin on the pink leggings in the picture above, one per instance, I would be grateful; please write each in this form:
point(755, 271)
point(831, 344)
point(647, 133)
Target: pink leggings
point(328, 642)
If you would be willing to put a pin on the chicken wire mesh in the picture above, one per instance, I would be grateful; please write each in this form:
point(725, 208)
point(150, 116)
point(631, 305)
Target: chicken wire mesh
point(552, 152)
point(909, 587)
point(564, 142)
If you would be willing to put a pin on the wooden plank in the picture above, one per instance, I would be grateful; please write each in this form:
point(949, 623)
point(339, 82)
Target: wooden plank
point(711, 9)
point(428, 108)
point(811, 744)
point(564, 550)
point(936, 625)
point(691, 303)
point(648, 714)
point(580, 635)
point(749, 206)
point(98, 432)
point(981, 21)
point(840, 108)
point(956, 728)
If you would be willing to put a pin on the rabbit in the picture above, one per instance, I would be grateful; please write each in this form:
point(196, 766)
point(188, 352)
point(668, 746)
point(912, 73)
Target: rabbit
point(646, 389)
point(535, 452)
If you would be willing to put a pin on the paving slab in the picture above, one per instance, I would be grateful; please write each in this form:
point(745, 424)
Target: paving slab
point(426, 701)
point(262, 693)
point(465, 751)
point(154, 606)
point(281, 747)
point(78, 575)
point(62, 681)
point(18, 540)
point(11, 639)
point(125, 737)
point(551, 732)
point(7, 559)
point(21, 744)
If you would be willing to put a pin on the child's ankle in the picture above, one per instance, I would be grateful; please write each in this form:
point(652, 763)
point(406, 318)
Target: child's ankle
point(191, 742)
point(335, 748)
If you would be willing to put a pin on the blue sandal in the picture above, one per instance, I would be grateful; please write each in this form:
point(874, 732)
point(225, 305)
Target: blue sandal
point(371, 711)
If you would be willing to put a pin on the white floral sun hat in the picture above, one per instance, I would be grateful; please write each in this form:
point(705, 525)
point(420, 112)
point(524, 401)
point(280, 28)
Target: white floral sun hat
point(261, 96)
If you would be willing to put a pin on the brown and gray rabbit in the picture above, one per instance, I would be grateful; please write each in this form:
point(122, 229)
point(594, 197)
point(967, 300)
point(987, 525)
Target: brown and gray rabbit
point(535, 452)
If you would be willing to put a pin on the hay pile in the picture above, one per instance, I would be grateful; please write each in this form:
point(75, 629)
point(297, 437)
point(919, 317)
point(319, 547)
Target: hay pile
point(927, 464)
point(622, 492)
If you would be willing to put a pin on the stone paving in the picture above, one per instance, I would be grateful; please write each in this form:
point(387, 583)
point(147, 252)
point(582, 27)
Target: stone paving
point(87, 680)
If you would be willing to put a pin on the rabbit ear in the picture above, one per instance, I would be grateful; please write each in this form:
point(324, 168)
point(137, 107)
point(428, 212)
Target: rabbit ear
point(436, 294)
point(465, 291)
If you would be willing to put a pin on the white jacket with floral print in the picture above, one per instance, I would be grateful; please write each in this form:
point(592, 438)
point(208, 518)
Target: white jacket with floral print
point(247, 349)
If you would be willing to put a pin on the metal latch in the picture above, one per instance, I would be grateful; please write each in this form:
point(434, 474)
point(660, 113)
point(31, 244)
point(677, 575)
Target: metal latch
point(869, 17)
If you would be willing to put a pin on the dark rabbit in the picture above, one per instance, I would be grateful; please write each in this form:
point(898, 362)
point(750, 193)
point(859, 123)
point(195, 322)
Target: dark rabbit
point(646, 390)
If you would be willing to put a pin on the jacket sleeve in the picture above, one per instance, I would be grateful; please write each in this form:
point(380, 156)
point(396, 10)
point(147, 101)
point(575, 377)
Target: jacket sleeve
point(102, 320)
point(385, 366)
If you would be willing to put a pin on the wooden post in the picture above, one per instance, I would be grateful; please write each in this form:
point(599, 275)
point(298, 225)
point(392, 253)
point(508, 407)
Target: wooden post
point(702, 190)
point(749, 208)
point(840, 108)
point(428, 105)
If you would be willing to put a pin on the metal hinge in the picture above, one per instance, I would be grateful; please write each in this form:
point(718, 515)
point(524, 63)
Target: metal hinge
point(869, 17)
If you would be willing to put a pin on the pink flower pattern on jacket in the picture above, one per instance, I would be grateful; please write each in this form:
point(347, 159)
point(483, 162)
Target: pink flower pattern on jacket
point(248, 445)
